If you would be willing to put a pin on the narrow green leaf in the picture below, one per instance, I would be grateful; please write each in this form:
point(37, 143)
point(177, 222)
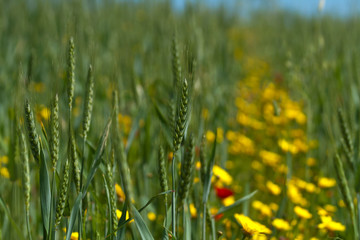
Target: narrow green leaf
point(187, 224)
point(8, 214)
point(237, 203)
point(98, 155)
point(121, 231)
point(45, 192)
point(74, 213)
point(109, 206)
point(209, 172)
point(141, 226)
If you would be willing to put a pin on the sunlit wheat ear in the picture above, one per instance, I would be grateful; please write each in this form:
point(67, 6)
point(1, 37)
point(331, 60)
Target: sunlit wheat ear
point(64, 188)
point(71, 72)
point(75, 163)
point(31, 130)
point(186, 171)
point(54, 132)
point(182, 116)
point(203, 159)
point(88, 104)
point(111, 187)
point(162, 172)
point(26, 170)
point(176, 68)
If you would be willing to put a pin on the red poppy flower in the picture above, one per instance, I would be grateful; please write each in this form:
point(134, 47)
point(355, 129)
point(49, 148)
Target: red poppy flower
point(223, 192)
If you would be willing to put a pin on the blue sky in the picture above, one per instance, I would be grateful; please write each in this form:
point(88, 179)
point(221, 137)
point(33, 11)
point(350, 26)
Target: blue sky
point(341, 8)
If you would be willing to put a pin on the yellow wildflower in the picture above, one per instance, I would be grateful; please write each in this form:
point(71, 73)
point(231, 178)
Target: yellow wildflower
point(251, 227)
point(4, 160)
point(222, 175)
point(287, 146)
point(295, 195)
point(151, 216)
point(119, 214)
point(330, 208)
point(326, 182)
point(281, 224)
point(302, 212)
point(273, 188)
point(269, 158)
point(329, 224)
point(193, 210)
point(263, 208)
point(311, 162)
point(4, 172)
point(74, 236)
point(119, 192)
point(228, 201)
point(256, 165)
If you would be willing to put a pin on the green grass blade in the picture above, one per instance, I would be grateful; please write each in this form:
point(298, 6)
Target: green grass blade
point(209, 173)
point(74, 213)
point(236, 204)
point(13, 223)
point(45, 192)
point(98, 154)
point(141, 226)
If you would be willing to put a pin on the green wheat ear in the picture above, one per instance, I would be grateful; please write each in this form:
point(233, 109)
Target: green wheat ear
point(88, 104)
point(187, 166)
point(176, 68)
point(26, 169)
point(75, 163)
point(162, 172)
point(54, 132)
point(32, 134)
point(64, 188)
point(71, 72)
point(111, 186)
point(182, 116)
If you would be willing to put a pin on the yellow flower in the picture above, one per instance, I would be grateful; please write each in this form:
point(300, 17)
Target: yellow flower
point(326, 182)
point(4, 172)
point(256, 165)
point(281, 224)
point(330, 208)
point(210, 136)
point(273, 188)
point(263, 208)
point(302, 212)
point(311, 162)
point(4, 160)
point(119, 192)
point(228, 201)
point(223, 176)
point(193, 211)
point(74, 236)
point(322, 212)
point(269, 158)
point(151, 216)
point(287, 146)
point(329, 224)
point(44, 113)
point(295, 195)
point(119, 214)
point(251, 227)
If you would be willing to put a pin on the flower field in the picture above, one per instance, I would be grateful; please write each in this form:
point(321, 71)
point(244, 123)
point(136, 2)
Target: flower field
point(137, 120)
